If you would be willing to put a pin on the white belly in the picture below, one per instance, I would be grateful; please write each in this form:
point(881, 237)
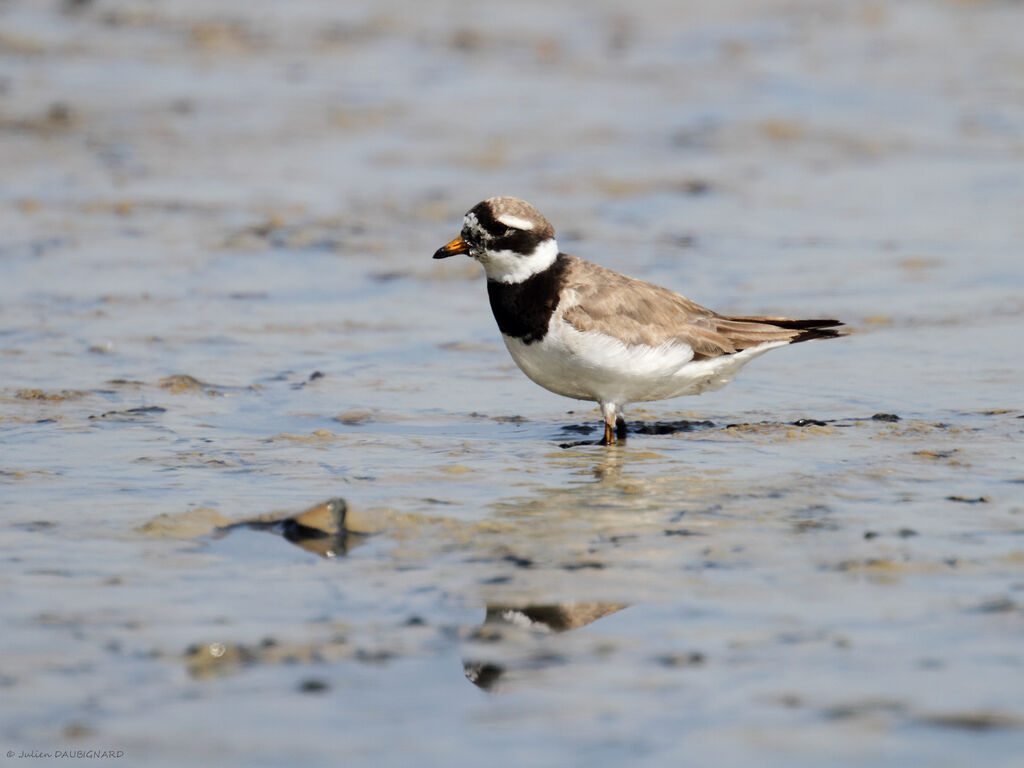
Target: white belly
point(595, 366)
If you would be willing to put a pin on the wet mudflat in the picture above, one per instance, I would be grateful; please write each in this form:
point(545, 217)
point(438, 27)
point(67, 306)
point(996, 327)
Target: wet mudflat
point(219, 318)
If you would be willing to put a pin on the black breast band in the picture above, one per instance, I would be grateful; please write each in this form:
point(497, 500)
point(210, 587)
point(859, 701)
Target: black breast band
point(523, 310)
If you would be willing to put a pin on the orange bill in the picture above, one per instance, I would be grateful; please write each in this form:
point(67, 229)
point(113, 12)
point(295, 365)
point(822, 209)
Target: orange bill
point(455, 247)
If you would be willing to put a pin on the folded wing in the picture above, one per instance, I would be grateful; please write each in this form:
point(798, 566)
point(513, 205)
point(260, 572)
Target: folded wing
point(637, 312)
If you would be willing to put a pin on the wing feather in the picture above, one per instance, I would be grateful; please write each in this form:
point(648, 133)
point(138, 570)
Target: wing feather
point(638, 312)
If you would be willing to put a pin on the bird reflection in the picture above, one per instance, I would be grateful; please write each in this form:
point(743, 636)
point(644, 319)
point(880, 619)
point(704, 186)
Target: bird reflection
point(515, 632)
point(535, 620)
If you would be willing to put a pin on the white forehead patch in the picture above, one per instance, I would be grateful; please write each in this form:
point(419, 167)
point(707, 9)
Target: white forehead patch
point(514, 221)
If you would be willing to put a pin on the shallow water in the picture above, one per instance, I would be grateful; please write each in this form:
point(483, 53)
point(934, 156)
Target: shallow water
point(217, 304)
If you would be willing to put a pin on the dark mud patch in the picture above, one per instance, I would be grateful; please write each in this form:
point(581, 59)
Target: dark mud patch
point(681, 659)
point(143, 413)
point(889, 417)
point(183, 383)
point(667, 427)
point(977, 721)
point(885, 709)
point(314, 376)
point(824, 426)
point(624, 429)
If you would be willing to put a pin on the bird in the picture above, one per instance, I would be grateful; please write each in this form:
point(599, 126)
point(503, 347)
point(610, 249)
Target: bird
point(587, 332)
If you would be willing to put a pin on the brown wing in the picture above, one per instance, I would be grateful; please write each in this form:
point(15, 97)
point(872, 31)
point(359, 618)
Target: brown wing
point(644, 313)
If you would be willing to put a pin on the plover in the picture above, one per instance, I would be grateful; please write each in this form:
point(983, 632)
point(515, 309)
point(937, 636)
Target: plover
point(586, 332)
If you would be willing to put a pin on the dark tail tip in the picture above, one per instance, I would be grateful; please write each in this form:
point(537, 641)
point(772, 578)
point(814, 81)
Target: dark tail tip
point(817, 333)
point(813, 329)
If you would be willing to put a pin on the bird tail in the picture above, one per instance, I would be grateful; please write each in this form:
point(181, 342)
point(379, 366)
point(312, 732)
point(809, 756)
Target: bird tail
point(807, 329)
point(764, 328)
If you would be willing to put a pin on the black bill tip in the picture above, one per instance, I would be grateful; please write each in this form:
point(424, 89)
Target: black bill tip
point(454, 248)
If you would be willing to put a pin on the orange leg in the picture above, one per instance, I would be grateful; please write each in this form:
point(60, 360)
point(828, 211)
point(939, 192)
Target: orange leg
point(608, 411)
